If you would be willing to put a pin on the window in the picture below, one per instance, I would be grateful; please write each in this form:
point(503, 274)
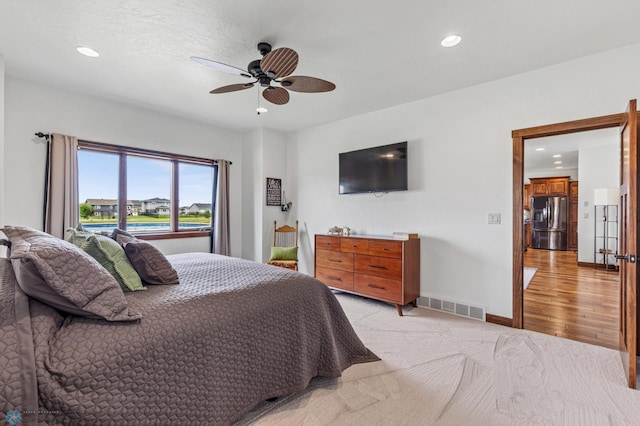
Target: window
point(165, 193)
point(195, 180)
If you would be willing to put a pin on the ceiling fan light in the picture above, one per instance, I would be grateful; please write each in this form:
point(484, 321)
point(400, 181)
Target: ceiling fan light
point(451, 40)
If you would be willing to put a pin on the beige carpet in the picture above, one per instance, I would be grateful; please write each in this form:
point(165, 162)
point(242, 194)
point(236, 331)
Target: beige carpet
point(440, 369)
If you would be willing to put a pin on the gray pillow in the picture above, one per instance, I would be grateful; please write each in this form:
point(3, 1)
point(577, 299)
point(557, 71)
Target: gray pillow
point(152, 266)
point(117, 231)
point(60, 274)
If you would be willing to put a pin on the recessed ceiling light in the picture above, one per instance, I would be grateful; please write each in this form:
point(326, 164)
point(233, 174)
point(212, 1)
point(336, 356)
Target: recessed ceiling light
point(557, 156)
point(557, 162)
point(87, 51)
point(539, 149)
point(260, 110)
point(451, 40)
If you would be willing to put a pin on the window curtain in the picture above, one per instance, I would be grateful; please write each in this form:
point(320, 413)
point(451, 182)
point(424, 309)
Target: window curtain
point(61, 187)
point(221, 241)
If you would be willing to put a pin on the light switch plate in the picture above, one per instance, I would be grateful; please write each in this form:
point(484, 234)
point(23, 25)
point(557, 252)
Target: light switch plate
point(494, 218)
point(586, 216)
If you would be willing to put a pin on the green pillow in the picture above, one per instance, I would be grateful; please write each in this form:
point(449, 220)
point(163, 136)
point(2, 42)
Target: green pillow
point(284, 253)
point(110, 255)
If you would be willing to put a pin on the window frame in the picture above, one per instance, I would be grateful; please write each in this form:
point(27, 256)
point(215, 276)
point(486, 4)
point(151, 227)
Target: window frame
point(175, 159)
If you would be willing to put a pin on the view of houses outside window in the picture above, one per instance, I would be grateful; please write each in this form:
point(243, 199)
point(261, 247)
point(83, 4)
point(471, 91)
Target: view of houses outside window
point(148, 193)
point(193, 178)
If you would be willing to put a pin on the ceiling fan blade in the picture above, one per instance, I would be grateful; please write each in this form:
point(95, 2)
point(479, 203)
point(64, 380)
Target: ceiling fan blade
point(300, 83)
point(221, 67)
point(280, 62)
point(232, 88)
point(276, 95)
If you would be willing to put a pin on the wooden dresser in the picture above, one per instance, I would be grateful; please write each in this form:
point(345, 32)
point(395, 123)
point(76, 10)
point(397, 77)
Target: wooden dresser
point(377, 267)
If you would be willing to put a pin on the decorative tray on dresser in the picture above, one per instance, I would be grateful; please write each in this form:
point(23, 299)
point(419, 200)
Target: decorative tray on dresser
point(381, 268)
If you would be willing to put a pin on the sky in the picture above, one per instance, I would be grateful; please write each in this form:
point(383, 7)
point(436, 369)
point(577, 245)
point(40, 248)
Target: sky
point(147, 178)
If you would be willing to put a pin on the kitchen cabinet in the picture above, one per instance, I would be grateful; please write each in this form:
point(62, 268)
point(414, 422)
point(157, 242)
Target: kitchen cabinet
point(554, 186)
point(526, 196)
point(572, 223)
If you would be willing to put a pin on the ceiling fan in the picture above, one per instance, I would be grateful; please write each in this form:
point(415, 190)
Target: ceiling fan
point(274, 67)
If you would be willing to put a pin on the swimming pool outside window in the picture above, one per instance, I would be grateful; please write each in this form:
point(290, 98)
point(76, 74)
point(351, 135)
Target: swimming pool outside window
point(144, 192)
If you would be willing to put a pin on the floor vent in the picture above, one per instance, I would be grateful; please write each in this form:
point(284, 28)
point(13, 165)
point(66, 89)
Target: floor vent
point(455, 308)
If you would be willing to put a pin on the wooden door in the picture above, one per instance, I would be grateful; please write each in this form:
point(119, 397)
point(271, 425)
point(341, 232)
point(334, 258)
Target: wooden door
point(628, 240)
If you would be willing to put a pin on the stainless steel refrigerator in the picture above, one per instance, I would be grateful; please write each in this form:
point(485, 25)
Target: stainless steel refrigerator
point(549, 223)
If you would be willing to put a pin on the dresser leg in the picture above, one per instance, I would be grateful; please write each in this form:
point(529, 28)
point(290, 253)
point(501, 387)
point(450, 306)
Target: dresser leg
point(414, 303)
point(399, 308)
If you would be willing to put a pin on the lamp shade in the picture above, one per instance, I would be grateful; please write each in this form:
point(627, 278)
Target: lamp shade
point(606, 196)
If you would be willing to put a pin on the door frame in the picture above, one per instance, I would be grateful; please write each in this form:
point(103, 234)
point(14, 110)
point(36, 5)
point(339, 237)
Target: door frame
point(519, 137)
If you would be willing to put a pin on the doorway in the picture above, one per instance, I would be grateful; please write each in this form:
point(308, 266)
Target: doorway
point(519, 136)
point(566, 293)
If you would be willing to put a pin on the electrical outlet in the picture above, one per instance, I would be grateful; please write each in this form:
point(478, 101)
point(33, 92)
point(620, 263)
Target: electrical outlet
point(494, 218)
point(586, 203)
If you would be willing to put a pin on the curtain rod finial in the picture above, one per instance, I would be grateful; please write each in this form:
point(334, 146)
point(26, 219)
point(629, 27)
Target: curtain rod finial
point(42, 135)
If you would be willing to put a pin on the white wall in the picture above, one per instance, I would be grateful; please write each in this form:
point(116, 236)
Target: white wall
point(31, 107)
point(599, 168)
point(251, 199)
point(460, 169)
point(264, 153)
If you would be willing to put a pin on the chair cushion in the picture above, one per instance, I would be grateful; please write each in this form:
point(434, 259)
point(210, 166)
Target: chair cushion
point(284, 253)
point(289, 264)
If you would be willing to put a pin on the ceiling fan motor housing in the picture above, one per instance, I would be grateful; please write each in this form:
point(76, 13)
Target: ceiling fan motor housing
point(254, 68)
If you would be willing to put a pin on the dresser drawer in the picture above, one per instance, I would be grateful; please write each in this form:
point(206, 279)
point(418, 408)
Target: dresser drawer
point(379, 288)
point(328, 243)
point(334, 260)
point(385, 248)
point(355, 245)
point(334, 278)
point(379, 266)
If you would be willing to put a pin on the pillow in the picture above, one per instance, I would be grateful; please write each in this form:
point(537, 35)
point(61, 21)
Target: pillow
point(116, 232)
point(110, 255)
point(61, 275)
point(284, 253)
point(149, 262)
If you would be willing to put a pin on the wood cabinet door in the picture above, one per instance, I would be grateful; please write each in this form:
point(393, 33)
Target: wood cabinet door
point(539, 188)
point(527, 197)
point(558, 187)
point(573, 190)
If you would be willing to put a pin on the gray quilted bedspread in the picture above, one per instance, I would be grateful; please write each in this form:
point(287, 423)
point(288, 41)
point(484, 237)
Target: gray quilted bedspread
point(232, 334)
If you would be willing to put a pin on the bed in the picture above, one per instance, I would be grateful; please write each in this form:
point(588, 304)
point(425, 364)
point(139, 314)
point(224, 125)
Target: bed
point(230, 335)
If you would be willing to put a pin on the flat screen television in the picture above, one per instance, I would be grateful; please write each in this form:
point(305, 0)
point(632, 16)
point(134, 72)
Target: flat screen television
point(377, 169)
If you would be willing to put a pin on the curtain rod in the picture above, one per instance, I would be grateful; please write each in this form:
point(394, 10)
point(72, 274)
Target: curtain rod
point(139, 150)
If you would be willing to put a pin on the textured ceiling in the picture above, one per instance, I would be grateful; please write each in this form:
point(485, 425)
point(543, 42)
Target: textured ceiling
point(379, 54)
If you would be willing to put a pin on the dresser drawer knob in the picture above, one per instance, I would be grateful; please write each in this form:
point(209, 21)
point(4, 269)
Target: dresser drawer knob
point(335, 261)
point(334, 278)
point(378, 266)
point(377, 286)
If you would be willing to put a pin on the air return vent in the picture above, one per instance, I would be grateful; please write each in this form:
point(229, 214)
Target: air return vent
point(462, 309)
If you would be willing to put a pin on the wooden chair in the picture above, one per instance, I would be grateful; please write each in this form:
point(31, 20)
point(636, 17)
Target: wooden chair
point(284, 252)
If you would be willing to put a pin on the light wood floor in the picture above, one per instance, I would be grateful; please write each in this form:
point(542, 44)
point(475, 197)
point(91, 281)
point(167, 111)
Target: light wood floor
point(566, 300)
